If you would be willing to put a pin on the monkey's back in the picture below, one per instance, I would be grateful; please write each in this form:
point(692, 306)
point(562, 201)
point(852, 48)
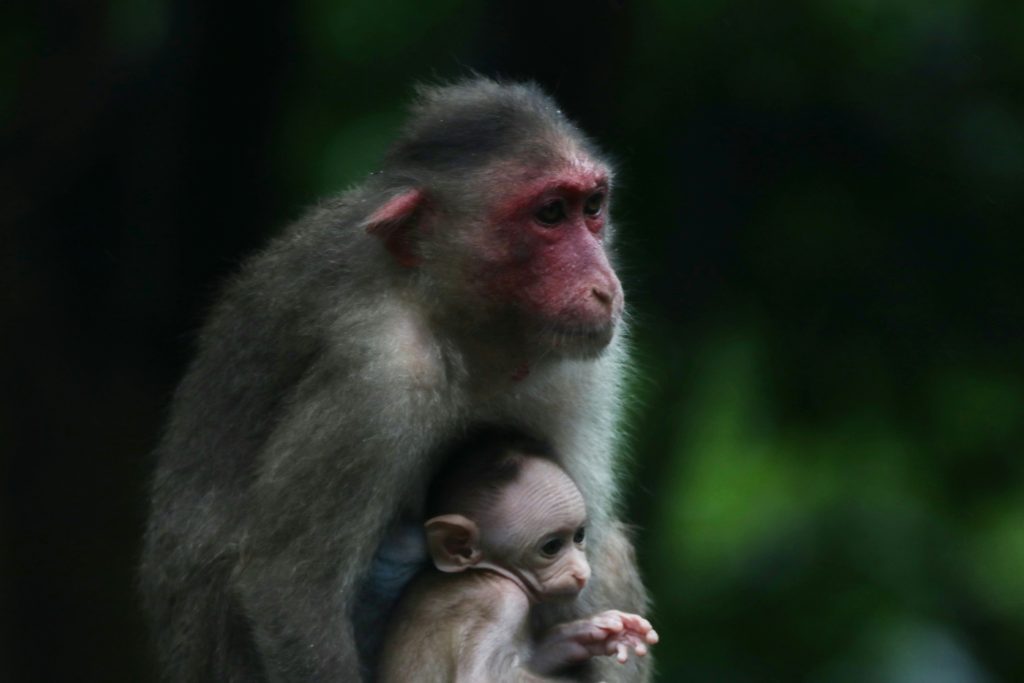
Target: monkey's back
point(263, 336)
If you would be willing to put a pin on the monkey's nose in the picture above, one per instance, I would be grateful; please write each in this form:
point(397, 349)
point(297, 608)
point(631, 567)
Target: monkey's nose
point(603, 296)
point(581, 580)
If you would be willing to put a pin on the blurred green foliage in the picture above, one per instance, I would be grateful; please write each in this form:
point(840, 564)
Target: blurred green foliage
point(820, 208)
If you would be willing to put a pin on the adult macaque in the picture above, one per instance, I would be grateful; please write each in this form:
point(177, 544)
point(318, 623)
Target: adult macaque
point(466, 283)
point(508, 532)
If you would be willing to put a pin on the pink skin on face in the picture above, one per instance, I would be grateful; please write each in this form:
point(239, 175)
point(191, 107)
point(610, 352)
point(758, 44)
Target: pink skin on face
point(558, 272)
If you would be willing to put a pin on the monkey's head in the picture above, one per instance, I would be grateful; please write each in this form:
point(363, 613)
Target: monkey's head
point(520, 516)
point(498, 209)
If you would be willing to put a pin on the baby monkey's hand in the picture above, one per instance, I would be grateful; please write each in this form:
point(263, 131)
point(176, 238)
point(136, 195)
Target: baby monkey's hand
point(621, 632)
point(611, 633)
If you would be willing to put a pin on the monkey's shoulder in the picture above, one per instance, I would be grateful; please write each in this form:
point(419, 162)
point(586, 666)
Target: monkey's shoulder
point(411, 349)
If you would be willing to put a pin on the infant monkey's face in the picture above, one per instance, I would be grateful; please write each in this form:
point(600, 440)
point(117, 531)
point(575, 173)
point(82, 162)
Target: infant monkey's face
point(538, 525)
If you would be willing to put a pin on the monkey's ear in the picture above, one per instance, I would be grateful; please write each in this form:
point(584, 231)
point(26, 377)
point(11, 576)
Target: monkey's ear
point(394, 223)
point(454, 542)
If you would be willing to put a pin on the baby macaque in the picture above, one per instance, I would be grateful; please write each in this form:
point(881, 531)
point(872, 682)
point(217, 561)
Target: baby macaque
point(507, 531)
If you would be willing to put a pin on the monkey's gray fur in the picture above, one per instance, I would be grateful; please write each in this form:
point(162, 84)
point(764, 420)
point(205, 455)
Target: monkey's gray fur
point(328, 383)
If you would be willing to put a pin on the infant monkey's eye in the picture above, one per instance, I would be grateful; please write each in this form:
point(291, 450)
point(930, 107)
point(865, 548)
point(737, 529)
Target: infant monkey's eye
point(580, 534)
point(551, 548)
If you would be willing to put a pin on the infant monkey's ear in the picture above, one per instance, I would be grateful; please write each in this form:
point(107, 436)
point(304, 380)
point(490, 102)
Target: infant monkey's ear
point(454, 542)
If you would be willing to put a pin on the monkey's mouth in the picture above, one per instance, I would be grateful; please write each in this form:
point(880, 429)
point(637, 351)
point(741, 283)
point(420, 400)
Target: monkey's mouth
point(583, 337)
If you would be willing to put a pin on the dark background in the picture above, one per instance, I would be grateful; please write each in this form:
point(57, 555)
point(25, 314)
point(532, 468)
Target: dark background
point(821, 207)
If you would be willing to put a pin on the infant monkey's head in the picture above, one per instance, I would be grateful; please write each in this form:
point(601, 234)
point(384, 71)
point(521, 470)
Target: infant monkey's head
point(515, 512)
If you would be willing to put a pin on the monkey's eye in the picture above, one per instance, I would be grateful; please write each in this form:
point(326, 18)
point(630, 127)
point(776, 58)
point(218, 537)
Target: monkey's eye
point(551, 548)
point(579, 535)
point(595, 202)
point(551, 213)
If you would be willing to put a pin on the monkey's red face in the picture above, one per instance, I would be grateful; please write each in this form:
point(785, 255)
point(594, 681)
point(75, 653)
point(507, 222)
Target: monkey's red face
point(537, 251)
point(544, 254)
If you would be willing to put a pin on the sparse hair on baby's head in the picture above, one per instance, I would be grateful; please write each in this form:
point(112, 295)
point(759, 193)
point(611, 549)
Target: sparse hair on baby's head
point(481, 467)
